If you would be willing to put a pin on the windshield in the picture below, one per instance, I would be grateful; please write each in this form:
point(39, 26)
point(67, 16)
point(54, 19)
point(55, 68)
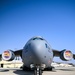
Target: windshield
point(37, 38)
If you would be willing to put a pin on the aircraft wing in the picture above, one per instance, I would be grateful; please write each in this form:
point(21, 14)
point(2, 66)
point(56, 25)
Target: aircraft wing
point(63, 53)
point(16, 53)
point(56, 53)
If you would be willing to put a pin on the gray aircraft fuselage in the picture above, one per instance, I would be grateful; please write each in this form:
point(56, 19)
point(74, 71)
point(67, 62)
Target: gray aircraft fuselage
point(37, 51)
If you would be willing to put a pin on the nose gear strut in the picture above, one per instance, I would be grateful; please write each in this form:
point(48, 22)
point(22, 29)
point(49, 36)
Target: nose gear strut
point(37, 71)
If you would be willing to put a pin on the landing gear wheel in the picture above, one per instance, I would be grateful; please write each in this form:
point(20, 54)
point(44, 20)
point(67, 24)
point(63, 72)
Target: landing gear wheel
point(35, 72)
point(40, 72)
point(26, 68)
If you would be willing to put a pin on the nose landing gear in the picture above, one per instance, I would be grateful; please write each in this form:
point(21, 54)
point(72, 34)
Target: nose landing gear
point(37, 71)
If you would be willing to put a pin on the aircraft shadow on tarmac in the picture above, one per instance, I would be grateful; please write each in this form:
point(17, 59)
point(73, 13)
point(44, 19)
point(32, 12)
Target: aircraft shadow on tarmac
point(66, 69)
point(20, 72)
point(4, 70)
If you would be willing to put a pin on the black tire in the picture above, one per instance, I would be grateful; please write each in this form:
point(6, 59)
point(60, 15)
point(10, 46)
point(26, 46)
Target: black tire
point(40, 72)
point(35, 72)
point(26, 68)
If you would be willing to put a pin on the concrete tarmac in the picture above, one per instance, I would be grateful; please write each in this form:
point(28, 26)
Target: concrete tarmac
point(59, 71)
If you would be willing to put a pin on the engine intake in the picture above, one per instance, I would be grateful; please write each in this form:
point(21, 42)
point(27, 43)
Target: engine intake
point(66, 55)
point(8, 55)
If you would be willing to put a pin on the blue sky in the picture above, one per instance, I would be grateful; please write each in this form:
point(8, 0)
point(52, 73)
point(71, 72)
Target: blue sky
point(52, 19)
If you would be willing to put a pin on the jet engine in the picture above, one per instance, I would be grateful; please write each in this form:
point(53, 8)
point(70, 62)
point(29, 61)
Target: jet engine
point(8, 55)
point(66, 55)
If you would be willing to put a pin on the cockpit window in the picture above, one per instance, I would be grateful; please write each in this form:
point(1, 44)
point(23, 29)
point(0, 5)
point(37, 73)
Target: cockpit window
point(46, 45)
point(37, 38)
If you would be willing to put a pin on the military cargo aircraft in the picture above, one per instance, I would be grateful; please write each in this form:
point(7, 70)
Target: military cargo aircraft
point(37, 55)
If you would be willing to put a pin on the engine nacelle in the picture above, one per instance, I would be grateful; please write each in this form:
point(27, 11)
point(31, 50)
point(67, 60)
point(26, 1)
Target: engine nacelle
point(66, 55)
point(8, 55)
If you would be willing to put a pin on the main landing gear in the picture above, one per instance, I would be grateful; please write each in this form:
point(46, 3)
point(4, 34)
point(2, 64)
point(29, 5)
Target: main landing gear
point(37, 69)
point(50, 69)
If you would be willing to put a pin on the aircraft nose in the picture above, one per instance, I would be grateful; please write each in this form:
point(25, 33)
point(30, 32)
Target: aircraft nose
point(38, 49)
